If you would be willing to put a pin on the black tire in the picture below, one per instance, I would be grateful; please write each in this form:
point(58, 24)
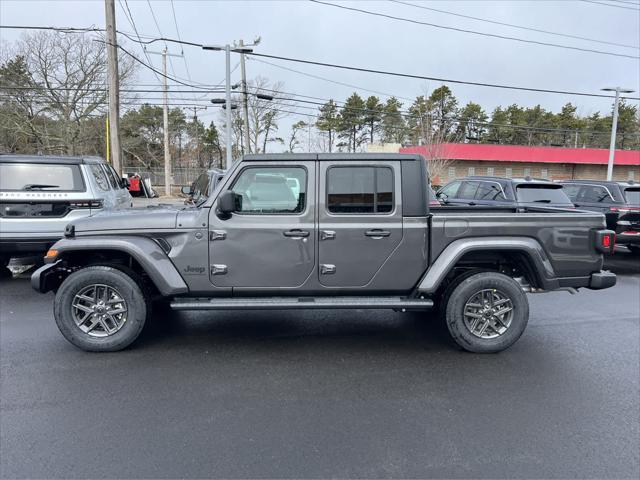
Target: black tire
point(126, 286)
point(465, 291)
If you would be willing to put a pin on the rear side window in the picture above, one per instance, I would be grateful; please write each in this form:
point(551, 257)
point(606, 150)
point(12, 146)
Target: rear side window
point(99, 176)
point(542, 194)
point(632, 195)
point(112, 179)
point(40, 176)
point(360, 190)
point(489, 191)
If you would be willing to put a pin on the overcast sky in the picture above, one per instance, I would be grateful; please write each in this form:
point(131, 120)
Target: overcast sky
point(303, 29)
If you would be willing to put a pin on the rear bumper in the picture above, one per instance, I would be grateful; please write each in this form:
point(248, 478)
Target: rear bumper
point(629, 236)
point(601, 280)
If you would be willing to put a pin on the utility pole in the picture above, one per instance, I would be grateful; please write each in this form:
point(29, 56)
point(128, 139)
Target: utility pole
point(228, 49)
point(165, 119)
point(114, 88)
point(245, 103)
point(195, 123)
point(614, 127)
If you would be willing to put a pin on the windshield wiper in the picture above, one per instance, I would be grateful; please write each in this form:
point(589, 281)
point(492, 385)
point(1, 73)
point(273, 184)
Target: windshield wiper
point(33, 186)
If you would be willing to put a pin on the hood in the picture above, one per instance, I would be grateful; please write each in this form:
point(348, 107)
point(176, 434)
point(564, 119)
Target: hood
point(150, 218)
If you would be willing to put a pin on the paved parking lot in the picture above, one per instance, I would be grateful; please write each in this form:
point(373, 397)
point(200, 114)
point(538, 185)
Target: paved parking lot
point(326, 394)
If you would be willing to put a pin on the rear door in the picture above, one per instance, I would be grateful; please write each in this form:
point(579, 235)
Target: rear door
point(270, 240)
point(360, 220)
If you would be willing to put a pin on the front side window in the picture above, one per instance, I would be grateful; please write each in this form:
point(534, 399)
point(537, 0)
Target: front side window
point(468, 190)
point(200, 188)
point(360, 190)
point(268, 190)
point(571, 190)
point(99, 176)
point(450, 190)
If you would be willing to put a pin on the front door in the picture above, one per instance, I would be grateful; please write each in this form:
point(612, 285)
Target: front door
point(270, 240)
point(360, 220)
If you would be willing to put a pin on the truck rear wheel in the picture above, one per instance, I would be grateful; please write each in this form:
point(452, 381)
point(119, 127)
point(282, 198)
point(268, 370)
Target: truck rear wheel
point(100, 309)
point(487, 312)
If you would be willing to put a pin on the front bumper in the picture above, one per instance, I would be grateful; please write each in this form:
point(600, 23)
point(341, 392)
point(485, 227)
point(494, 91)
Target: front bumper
point(601, 280)
point(46, 277)
point(23, 246)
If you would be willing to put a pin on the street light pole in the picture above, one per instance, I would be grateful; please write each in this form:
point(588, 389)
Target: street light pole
point(614, 128)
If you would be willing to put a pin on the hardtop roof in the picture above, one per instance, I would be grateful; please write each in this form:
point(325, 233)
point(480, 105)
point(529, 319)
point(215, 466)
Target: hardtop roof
point(49, 159)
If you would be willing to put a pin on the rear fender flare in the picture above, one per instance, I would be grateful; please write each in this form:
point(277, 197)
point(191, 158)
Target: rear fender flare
point(450, 256)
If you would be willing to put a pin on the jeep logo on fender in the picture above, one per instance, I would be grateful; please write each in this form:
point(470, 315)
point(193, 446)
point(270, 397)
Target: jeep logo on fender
point(193, 270)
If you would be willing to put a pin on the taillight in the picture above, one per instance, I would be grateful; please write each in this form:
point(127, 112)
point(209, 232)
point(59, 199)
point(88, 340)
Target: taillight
point(624, 209)
point(605, 241)
point(86, 204)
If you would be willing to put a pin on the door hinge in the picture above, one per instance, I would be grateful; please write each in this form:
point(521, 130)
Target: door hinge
point(217, 235)
point(327, 235)
point(218, 269)
point(327, 269)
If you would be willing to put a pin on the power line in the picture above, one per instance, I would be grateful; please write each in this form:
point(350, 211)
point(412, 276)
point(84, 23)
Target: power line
point(532, 29)
point(331, 65)
point(424, 77)
point(129, 17)
point(175, 21)
point(462, 30)
point(155, 20)
point(610, 5)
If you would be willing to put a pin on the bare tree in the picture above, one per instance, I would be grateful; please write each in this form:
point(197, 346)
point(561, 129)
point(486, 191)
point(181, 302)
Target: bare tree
point(58, 86)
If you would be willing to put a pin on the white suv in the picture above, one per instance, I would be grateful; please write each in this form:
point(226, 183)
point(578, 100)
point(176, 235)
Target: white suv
point(40, 195)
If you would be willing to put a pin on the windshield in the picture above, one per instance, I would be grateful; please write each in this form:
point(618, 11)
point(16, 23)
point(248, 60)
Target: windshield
point(632, 195)
point(40, 176)
point(542, 194)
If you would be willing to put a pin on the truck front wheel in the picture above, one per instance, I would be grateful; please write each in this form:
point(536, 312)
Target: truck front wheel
point(487, 312)
point(100, 309)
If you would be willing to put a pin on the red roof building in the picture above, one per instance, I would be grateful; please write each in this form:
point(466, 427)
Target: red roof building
point(462, 159)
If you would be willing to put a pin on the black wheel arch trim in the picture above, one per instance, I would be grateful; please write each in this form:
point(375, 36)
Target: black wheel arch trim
point(153, 260)
point(450, 256)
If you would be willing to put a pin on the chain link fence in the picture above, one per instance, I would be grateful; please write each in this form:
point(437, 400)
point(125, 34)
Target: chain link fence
point(180, 176)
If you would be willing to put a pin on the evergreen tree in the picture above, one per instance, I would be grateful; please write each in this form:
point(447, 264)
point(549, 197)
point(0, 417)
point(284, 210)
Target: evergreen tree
point(352, 121)
point(329, 121)
point(393, 124)
point(373, 115)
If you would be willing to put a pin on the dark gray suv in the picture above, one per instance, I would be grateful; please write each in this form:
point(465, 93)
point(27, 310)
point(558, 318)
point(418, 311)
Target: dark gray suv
point(500, 191)
point(618, 201)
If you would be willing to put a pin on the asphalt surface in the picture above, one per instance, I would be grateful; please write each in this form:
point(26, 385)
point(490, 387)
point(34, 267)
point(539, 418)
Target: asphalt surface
point(326, 394)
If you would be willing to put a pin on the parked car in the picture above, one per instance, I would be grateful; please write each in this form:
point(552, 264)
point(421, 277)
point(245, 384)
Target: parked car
point(618, 201)
point(497, 191)
point(300, 231)
point(202, 186)
point(40, 195)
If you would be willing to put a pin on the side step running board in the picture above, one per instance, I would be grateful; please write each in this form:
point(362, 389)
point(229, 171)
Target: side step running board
point(289, 303)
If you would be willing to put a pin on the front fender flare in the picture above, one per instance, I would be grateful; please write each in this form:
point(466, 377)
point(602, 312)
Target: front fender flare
point(445, 262)
point(153, 260)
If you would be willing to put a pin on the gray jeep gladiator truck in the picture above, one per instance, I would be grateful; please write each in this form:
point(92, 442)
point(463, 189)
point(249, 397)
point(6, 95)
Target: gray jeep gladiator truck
point(301, 231)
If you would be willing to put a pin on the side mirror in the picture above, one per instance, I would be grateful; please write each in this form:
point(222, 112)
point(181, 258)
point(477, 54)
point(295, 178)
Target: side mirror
point(442, 196)
point(226, 204)
point(124, 183)
point(186, 190)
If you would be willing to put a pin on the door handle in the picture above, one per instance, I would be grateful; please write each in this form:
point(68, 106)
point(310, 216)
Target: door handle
point(327, 234)
point(296, 233)
point(377, 233)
